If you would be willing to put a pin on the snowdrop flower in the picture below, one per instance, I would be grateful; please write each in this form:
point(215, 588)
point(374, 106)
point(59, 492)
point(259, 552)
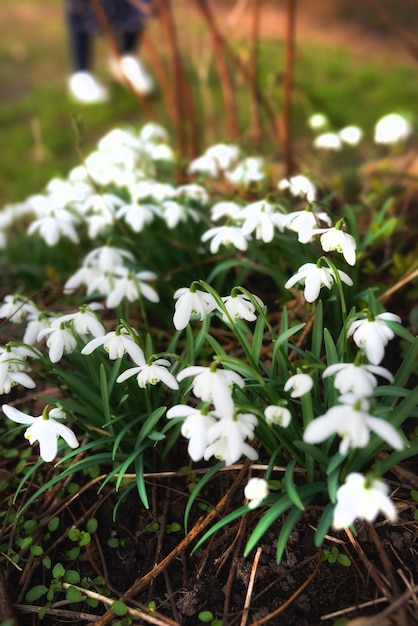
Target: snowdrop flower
point(60, 340)
point(224, 154)
point(227, 209)
point(225, 236)
point(213, 385)
point(129, 285)
point(240, 306)
point(314, 278)
point(359, 380)
point(37, 321)
point(190, 302)
point(318, 120)
point(205, 164)
point(150, 374)
point(194, 192)
point(255, 491)
point(249, 170)
point(15, 308)
point(12, 366)
point(336, 239)
point(173, 212)
point(299, 186)
point(52, 227)
point(85, 275)
point(161, 152)
point(392, 128)
point(364, 498)
point(373, 335)
point(228, 436)
point(305, 222)
point(328, 141)
point(45, 429)
point(84, 321)
point(351, 135)
point(137, 216)
point(107, 258)
point(353, 424)
point(299, 384)
point(261, 217)
point(195, 428)
point(116, 343)
point(278, 415)
point(153, 132)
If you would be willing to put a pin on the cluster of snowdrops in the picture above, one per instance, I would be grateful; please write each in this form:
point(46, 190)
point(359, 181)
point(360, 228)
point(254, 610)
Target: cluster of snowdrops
point(305, 390)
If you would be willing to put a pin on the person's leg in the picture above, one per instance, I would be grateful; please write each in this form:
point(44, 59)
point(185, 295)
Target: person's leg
point(82, 85)
point(129, 67)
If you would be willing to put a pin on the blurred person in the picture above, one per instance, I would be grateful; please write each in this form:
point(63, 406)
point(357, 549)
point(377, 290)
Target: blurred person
point(127, 20)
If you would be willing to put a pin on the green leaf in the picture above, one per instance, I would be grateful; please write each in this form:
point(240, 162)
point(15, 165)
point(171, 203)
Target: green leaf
point(324, 524)
point(343, 559)
point(72, 577)
point(73, 594)
point(286, 530)
point(197, 489)
point(92, 525)
point(36, 550)
point(53, 524)
point(36, 592)
point(205, 616)
point(119, 608)
point(58, 571)
point(317, 330)
point(291, 489)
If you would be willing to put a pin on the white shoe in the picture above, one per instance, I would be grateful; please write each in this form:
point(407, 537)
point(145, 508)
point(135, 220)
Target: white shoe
point(85, 88)
point(130, 69)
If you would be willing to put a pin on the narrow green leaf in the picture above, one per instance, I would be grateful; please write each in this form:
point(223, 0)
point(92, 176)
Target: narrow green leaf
point(324, 524)
point(291, 489)
point(288, 526)
point(197, 489)
point(317, 330)
point(36, 592)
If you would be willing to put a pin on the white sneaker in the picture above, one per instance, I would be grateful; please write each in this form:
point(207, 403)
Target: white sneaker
point(129, 68)
point(85, 88)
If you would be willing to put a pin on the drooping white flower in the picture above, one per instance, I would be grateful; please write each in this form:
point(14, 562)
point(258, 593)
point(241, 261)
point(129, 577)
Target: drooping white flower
point(299, 186)
point(44, 429)
point(195, 428)
point(129, 285)
point(362, 498)
point(318, 120)
point(255, 491)
point(305, 222)
point(153, 132)
point(150, 374)
point(191, 302)
point(213, 385)
point(16, 308)
point(226, 208)
point(328, 141)
point(351, 135)
point(227, 438)
point(59, 223)
point(36, 322)
point(205, 164)
point(299, 384)
point(240, 306)
point(373, 336)
point(116, 343)
point(249, 170)
point(225, 236)
point(12, 368)
point(85, 321)
point(61, 340)
point(359, 380)
point(339, 240)
point(278, 415)
point(353, 424)
point(261, 218)
point(224, 154)
point(314, 278)
point(392, 128)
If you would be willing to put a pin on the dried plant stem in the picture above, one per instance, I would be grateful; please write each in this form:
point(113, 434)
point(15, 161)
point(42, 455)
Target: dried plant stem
point(250, 587)
point(255, 116)
point(287, 86)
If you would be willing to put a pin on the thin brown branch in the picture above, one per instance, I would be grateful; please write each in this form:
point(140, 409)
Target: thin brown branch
point(255, 112)
point(287, 86)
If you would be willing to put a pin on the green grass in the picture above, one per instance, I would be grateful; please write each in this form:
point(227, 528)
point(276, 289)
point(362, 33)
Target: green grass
point(37, 118)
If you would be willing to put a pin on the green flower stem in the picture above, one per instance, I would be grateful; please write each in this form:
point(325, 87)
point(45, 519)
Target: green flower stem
point(307, 414)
